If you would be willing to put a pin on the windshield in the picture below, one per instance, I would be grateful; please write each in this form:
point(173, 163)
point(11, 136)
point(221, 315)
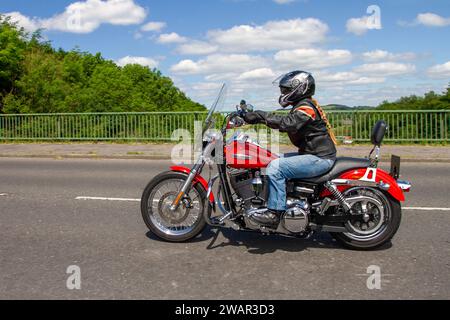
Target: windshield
point(217, 105)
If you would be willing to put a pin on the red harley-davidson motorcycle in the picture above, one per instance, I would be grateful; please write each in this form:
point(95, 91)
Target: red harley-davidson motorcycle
point(358, 203)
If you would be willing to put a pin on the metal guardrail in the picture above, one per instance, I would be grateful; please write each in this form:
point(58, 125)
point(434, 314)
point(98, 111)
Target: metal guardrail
point(404, 126)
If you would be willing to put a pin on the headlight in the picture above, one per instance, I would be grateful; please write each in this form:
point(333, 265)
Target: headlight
point(212, 136)
point(235, 123)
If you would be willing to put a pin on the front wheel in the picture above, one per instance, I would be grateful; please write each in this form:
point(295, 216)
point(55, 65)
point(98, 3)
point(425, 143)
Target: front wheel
point(182, 224)
point(377, 221)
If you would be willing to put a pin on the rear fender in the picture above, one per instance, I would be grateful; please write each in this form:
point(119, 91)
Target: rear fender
point(197, 179)
point(380, 176)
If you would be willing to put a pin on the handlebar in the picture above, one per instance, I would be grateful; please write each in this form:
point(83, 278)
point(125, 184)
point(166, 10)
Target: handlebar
point(235, 120)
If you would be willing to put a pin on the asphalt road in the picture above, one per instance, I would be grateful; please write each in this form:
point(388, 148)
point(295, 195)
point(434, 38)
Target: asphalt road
point(44, 230)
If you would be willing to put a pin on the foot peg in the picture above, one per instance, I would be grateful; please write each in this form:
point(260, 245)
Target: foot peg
point(217, 222)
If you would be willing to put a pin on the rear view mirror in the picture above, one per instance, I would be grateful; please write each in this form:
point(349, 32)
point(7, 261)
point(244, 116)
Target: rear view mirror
point(378, 133)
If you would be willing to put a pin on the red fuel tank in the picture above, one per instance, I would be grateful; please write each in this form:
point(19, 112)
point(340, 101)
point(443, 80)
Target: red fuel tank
point(247, 155)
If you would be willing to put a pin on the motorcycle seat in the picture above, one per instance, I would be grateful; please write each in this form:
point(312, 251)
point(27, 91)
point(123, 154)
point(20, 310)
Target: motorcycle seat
point(341, 165)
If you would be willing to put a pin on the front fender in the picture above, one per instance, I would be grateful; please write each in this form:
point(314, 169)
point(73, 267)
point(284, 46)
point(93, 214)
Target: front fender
point(197, 179)
point(381, 176)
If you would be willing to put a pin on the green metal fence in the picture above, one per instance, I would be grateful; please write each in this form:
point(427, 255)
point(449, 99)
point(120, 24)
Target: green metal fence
point(404, 126)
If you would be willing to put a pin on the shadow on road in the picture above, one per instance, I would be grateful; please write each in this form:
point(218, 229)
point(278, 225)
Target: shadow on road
point(257, 243)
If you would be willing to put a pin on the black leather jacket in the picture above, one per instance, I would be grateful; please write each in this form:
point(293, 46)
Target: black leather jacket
point(306, 129)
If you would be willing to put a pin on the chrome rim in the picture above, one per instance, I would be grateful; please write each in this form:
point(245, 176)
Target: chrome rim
point(373, 214)
point(174, 223)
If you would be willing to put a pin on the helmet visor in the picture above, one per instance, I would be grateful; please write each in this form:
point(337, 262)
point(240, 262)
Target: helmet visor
point(277, 81)
point(285, 90)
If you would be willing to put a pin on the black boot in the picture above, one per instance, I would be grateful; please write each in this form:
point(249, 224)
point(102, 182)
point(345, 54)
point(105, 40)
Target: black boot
point(266, 217)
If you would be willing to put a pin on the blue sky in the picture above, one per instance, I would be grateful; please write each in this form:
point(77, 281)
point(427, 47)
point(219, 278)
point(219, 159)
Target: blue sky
point(358, 57)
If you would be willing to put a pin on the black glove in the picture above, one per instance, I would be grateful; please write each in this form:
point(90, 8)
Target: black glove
point(255, 117)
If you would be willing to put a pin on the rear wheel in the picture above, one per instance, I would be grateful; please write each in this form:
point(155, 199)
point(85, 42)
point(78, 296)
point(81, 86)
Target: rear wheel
point(377, 219)
point(182, 224)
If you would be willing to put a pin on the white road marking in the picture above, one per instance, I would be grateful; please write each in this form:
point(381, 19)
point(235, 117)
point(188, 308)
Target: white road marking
point(113, 199)
point(139, 200)
point(426, 209)
point(107, 199)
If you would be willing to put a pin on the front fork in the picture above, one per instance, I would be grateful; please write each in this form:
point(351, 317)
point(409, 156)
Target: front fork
point(198, 167)
point(230, 207)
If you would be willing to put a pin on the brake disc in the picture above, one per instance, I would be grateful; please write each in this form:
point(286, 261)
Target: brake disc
point(173, 217)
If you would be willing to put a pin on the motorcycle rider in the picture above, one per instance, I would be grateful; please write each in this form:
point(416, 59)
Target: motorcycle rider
point(308, 129)
point(244, 107)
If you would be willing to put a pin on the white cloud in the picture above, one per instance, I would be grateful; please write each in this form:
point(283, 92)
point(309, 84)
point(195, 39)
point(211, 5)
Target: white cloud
point(29, 24)
point(439, 71)
point(313, 58)
point(154, 26)
point(327, 79)
point(272, 36)
point(197, 48)
point(432, 20)
point(382, 55)
point(173, 37)
point(143, 61)
point(357, 26)
point(385, 69)
point(366, 80)
point(219, 63)
point(87, 16)
point(375, 55)
point(374, 95)
point(224, 76)
point(360, 26)
point(257, 74)
point(205, 86)
point(324, 76)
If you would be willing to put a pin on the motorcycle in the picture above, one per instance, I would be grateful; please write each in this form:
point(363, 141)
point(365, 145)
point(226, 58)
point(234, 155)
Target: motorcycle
point(356, 202)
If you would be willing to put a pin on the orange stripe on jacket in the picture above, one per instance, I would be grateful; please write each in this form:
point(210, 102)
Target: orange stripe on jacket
point(309, 111)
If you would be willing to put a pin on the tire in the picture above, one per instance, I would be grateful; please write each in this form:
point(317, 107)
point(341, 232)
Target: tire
point(147, 212)
point(395, 217)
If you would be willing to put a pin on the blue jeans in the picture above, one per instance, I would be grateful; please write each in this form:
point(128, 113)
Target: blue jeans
point(292, 166)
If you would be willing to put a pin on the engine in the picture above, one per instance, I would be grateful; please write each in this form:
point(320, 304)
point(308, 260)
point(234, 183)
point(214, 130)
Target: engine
point(296, 218)
point(252, 193)
point(251, 188)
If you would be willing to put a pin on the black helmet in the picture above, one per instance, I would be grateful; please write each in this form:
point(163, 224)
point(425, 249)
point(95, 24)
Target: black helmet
point(243, 102)
point(295, 86)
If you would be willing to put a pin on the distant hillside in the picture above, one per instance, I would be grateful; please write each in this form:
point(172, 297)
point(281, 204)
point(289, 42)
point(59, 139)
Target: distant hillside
point(331, 107)
point(429, 101)
point(335, 107)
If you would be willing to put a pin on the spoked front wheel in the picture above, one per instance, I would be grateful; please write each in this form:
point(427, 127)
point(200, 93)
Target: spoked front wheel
point(179, 225)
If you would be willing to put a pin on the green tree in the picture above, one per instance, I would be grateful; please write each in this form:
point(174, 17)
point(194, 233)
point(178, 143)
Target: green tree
point(12, 47)
point(35, 78)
